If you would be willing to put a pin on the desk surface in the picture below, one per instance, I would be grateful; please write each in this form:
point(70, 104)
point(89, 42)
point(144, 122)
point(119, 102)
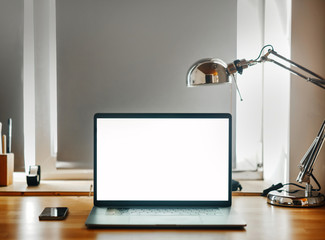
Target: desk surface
point(84, 187)
point(19, 220)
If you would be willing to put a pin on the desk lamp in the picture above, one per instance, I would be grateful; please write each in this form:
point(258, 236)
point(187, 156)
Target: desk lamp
point(215, 71)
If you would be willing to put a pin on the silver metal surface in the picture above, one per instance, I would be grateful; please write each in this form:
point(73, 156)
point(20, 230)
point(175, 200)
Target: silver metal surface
point(207, 71)
point(296, 199)
point(234, 67)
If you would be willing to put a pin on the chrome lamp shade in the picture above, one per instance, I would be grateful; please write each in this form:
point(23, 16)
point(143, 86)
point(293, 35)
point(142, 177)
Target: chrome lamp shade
point(207, 71)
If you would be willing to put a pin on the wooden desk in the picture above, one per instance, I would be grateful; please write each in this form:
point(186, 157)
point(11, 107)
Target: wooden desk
point(19, 220)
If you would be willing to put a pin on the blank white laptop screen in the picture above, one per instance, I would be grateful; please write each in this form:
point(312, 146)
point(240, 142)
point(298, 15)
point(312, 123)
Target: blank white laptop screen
point(176, 159)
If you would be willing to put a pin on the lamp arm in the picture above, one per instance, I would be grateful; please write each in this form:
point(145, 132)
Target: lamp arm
point(318, 80)
point(240, 65)
point(308, 160)
point(297, 65)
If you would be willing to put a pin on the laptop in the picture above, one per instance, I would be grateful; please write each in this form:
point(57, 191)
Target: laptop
point(162, 170)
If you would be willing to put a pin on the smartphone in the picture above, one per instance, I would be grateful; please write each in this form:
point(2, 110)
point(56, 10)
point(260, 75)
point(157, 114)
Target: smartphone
point(54, 213)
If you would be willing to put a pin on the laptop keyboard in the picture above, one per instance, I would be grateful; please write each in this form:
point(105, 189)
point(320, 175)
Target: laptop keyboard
point(163, 212)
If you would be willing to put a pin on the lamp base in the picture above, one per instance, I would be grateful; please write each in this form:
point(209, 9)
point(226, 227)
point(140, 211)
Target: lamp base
point(296, 199)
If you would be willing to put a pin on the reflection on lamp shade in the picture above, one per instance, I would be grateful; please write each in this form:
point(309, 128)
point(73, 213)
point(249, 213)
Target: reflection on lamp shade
point(207, 71)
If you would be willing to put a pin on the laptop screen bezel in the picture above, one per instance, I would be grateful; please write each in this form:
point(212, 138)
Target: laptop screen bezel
point(105, 203)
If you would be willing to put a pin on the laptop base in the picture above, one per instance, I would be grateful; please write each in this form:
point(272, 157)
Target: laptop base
point(101, 218)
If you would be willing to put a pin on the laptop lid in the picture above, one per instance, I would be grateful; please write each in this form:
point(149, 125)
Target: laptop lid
point(165, 159)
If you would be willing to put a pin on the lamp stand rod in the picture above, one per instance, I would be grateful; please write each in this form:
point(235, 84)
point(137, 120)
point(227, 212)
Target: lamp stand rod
point(319, 81)
point(297, 65)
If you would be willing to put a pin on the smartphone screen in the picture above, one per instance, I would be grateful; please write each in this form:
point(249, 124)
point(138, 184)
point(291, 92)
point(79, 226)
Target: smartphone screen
point(54, 213)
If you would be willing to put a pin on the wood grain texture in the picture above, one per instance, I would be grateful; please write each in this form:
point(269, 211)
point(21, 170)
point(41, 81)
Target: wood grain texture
point(19, 220)
point(6, 169)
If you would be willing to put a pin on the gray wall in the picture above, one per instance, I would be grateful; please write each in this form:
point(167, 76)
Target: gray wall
point(132, 56)
point(11, 67)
